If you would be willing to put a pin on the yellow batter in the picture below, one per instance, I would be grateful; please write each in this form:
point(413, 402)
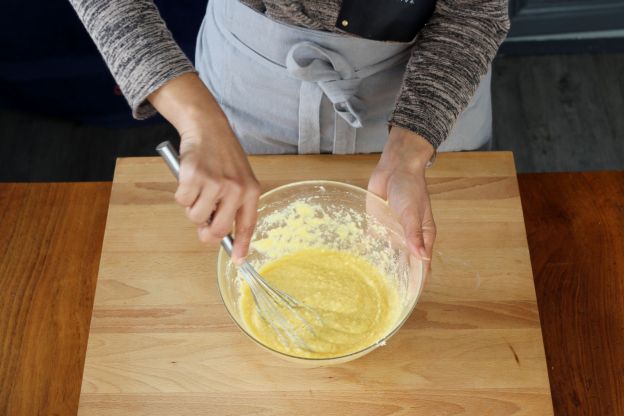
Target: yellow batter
point(357, 304)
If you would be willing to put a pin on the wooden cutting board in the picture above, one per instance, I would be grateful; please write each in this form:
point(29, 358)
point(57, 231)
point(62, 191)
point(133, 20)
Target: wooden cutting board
point(161, 342)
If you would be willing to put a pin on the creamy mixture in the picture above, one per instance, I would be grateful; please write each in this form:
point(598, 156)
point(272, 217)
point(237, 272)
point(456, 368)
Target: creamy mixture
point(356, 303)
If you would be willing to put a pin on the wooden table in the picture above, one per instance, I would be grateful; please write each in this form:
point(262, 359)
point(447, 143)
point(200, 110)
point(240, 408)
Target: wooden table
point(50, 243)
point(50, 239)
point(575, 225)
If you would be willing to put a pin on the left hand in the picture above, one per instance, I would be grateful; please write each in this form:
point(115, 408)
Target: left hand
point(400, 178)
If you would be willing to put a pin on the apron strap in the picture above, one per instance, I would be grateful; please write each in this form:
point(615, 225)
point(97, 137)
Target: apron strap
point(310, 97)
point(344, 137)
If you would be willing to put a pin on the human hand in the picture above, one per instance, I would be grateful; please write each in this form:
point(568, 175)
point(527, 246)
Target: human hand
point(216, 184)
point(400, 178)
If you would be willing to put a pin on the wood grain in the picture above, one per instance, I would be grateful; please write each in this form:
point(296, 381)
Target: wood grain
point(575, 223)
point(50, 241)
point(161, 341)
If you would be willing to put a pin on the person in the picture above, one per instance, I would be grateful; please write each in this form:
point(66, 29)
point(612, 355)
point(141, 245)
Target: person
point(405, 78)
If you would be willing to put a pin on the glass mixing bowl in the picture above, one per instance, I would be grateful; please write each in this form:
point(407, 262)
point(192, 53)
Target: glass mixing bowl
point(343, 217)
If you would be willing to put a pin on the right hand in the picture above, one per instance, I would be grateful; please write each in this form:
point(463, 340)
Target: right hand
point(216, 184)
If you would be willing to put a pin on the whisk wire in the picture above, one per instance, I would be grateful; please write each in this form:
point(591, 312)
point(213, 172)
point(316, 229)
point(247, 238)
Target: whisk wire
point(269, 300)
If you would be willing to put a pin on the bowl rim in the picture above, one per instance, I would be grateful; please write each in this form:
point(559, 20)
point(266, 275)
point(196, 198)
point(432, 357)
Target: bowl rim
point(222, 256)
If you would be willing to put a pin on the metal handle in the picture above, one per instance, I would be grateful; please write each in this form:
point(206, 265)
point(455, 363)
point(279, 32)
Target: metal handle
point(171, 158)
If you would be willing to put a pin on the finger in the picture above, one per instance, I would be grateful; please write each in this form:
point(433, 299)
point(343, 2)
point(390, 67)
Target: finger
point(205, 235)
point(223, 219)
point(246, 218)
point(429, 235)
point(187, 193)
point(201, 210)
point(411, 221)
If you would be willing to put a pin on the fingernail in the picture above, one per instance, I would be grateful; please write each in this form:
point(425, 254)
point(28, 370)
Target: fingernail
point(238, 260)
point(423, 253)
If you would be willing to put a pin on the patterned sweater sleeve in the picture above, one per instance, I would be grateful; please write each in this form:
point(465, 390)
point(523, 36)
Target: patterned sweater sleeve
point(136, 45)
point(451, 53)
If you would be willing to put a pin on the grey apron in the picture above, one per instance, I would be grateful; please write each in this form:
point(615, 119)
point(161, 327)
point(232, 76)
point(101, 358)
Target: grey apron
point(287, 89)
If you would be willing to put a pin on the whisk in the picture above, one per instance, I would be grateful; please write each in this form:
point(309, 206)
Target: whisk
point(270, 302)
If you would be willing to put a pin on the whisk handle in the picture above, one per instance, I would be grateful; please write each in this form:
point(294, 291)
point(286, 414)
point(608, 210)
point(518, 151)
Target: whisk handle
point(172, 159)
point(228, 244)
point(170, 156)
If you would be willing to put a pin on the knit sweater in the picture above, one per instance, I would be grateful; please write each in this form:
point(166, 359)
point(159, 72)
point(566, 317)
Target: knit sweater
point(452, 51)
